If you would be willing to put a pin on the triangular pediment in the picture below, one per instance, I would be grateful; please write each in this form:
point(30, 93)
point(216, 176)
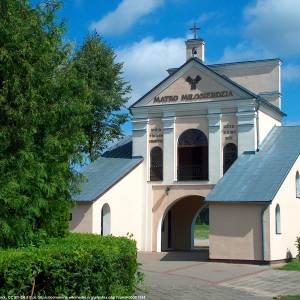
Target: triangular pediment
point(193, 82)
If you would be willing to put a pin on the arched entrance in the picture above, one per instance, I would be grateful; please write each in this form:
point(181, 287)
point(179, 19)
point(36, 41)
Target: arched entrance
point(178, 224)
point(192, 155)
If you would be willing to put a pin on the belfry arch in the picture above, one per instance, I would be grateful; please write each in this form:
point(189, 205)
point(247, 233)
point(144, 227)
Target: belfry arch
point(192, 150)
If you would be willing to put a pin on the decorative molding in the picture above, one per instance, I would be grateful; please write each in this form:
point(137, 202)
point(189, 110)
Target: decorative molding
point(139, 124)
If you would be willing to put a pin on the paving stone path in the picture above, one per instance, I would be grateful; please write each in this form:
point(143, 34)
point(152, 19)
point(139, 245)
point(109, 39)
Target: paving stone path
point(188, 275)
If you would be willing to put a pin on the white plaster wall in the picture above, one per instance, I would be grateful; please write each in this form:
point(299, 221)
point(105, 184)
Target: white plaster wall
point(235, 231)
point(266, 123)
point(82, 214)
point(258, 77)
point(247, 133)
point(290, 217)
point(126, 202)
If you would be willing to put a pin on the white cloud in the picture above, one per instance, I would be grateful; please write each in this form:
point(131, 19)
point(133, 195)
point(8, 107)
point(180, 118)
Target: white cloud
point(275, 24)
point(126, 14)
point(244, 51)
point(146, 62)
point(291, 72)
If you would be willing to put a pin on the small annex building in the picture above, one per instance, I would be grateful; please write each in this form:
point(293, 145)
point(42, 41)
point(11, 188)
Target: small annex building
point(206, 136)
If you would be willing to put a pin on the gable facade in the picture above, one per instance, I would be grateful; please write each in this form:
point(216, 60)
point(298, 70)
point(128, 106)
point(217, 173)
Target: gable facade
point(189, 129)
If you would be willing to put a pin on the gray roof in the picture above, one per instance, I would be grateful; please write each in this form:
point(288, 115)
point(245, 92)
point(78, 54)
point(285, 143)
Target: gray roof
point(122, 149)
point(257, 176)
point(107, 170)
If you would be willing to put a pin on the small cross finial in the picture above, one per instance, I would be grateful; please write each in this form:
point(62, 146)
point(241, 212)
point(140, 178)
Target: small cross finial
point(194, 29)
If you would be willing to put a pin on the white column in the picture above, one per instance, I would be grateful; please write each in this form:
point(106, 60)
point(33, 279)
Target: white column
point(140, 148)
point(246, 126)
point(140, 138)
point(214, 146)
point(169, 150)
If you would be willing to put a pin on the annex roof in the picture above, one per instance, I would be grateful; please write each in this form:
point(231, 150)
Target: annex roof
point(106, 171)
point(257, 176)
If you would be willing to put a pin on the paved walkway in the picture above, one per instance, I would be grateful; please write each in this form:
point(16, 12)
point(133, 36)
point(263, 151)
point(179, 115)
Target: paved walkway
point(188, 275)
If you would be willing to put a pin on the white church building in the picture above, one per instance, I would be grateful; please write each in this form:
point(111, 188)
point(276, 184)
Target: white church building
point(206, 136)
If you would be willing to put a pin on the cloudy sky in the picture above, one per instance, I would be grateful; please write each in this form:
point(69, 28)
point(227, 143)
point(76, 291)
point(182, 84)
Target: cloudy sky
point(148, 36)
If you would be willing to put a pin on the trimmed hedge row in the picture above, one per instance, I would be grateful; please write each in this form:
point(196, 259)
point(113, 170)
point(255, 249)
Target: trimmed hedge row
point(298, 246)
point(78, 265)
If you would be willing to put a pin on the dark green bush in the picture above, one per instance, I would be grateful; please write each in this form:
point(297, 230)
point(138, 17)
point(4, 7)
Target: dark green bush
point(78, 265)
point(298, 247)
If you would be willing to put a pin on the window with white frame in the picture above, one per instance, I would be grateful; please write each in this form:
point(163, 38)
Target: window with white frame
point(278, 219)
point(105, 220)
point(297, 185)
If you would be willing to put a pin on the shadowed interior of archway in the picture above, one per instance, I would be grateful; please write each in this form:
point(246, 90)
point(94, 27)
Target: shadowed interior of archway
point(176, 231)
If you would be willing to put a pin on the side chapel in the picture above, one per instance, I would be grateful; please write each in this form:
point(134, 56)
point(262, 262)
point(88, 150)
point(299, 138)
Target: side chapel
point(205, 136)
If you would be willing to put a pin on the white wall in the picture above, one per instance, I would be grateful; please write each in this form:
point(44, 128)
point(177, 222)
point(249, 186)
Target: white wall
point(266, 123)
point(81, 217)
point(260, 77)
point(290, 217)
point(125, 200)
point(235, 231)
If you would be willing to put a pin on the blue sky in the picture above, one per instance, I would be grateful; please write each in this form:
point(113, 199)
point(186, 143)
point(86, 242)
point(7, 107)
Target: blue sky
point(148, 36)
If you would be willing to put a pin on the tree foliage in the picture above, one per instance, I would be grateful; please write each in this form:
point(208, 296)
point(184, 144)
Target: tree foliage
point(41, 123)
point(107, 93)
point(55, 106)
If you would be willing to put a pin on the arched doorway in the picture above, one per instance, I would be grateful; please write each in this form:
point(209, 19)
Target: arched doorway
point(192, 155)
point(105, 220)
point(177, 224)
point(229, 156)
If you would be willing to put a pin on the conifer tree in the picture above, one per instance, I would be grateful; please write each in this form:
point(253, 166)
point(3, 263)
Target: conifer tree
point(41, 123)
point(107, 94)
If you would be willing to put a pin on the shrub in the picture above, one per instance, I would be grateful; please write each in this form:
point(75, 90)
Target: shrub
point(298, 246)
point(77, 265)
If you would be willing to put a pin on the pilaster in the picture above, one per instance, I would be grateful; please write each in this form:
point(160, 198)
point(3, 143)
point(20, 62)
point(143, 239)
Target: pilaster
point(169, 156)
point(214, 146)
point(246, 121)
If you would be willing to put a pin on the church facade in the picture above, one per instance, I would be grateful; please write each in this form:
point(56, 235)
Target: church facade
point(206, 136)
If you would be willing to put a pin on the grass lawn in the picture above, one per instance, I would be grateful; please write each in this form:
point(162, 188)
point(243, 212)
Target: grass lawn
point(297, 297)
point(292, 266)
point(201, 232)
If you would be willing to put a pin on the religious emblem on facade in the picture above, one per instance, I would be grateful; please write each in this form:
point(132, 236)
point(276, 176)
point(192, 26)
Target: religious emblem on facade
point(193, 82)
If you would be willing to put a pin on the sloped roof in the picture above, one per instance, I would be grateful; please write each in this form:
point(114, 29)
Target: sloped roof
point(122, 149)
point(257, 176)
point(107, 170)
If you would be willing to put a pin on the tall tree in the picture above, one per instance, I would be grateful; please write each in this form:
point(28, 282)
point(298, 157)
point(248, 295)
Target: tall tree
point(41, 120)
point(95, 63)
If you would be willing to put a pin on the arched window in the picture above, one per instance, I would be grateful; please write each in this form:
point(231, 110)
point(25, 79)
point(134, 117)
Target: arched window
point(156, 164)
point(105, 220)
point(297, 185)
point(278, 219)
point(229, 156)
point(192, 155)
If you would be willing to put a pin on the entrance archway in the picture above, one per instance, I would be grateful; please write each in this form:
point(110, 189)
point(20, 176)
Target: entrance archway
point(177, 224)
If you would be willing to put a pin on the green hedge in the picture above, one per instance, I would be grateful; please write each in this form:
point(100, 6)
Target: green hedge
point(78, 265)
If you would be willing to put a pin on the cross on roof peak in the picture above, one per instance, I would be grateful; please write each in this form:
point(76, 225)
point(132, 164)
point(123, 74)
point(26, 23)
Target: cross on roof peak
point(194, 29)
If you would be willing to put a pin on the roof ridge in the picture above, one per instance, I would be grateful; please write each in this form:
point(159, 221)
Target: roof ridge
point(247, 61)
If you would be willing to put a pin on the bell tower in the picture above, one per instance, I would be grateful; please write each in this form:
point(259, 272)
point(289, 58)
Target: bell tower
point(195, 46)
